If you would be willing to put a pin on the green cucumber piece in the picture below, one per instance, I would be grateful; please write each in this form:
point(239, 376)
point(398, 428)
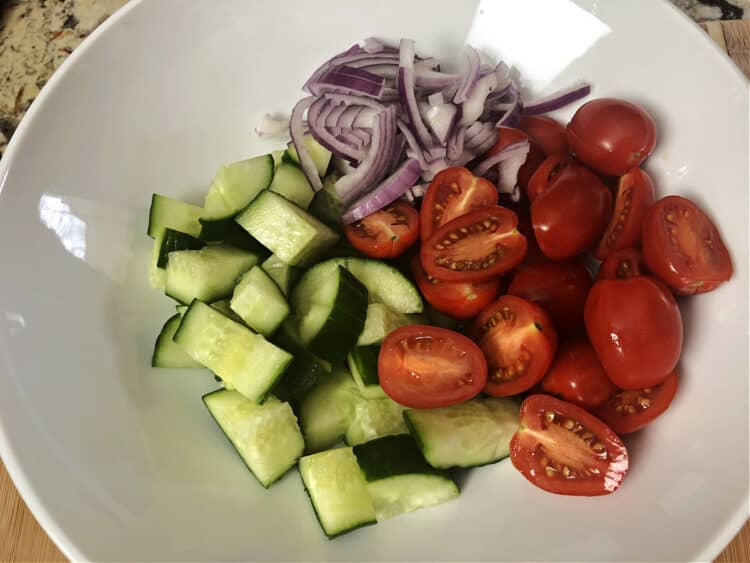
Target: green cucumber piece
point(320, 155)
point(259, 302)
point(381, 321)
point(280, 272)
point(325, 412)
point(374, 418)
point(327, 205)
point(172, 241)
point(169, 213)
point(235, 185)
point(290, 182)
point(363, 364)
point(166, 353)
point(227, 231)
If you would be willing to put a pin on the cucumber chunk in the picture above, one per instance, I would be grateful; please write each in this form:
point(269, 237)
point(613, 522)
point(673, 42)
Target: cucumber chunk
point(290, 182)
point(169, 213)
point(235, 185)
point(381, 321)
point(363, 364)
point(259, 302)
point(166, 353)
point(280, 272)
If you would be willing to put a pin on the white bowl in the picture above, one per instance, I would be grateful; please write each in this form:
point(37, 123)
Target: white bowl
point(119, 461)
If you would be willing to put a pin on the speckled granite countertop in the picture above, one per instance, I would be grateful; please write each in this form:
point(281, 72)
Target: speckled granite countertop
point(37, 35)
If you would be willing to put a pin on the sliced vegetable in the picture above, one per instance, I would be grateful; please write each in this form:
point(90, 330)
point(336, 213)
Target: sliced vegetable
point(363, 365)
point(236, 185)
point(290, 182)
point(387, 233)
point(167, 354)
point(381, 321)
point(259, 302)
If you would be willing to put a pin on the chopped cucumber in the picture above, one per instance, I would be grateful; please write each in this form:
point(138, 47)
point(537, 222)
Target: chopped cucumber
point(282, 273)
point(169, 213)
point(320, 155)
point(166, 353)
point(468, 434)
point(327, 205)
point(363, 363)
point(259, 302)
point(208, 274)
point(375, 418)
point(290, 182)
point(227, 231)
point(381, 321)
point(331, 311)
point(173, 241)
point(337, 491)
point(399, 479)
point(277, 158)
point(236, 185)
point(326, 412)
point(266, 436)
point(295, 236)
point(245, 361)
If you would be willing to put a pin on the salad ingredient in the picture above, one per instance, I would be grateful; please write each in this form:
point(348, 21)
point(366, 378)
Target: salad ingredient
point(563, 449)
point(557, 100)
point(577, 376)
point(280, 272)
point(635, 194)
point(424, 366)
point(460, 300)
point(571, 215)
point(245, 361)
point(469, 434)
point(259, 302)
point(363, 365)
point(172, 241)
point(628, 411)
point(635, 327)
point(166, 353)
point(683, 247)
point(611, 135)
point(168, 213)
point(374, 418)
point(546, 173)
point(387, 233)
point(514, 158)
point(519, 341)
point(235, 186)
point(290, 182)
point(319, 155)
point(399, 479)
point(381, 320)
point(474, 247)
point(549, 134)
point(621, 264)
point(266, 436)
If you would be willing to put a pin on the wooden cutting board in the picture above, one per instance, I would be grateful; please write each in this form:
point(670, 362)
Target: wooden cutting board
point(21, 538)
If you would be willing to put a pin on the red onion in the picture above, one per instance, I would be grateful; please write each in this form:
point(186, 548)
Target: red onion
point(270, 127)
point(386, 193)
point(512, 150)
point(298, 139)
point(406, 91)
point(470, 77)
point(556, 100)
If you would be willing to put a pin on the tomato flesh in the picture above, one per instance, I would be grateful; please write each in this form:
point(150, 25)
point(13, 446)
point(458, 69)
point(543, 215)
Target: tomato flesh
point(563, 449)
point(474, 247)
point(519, 341)
point(386, 233)
point(621, 264)
point(549, 134)
point(546, 173)
point(628, 411)
point(426, 367)
point(453, 192)
point(683, 247)
point(635, 326)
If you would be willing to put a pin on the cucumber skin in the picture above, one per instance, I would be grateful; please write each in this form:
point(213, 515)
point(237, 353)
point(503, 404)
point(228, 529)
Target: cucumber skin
point(320, 524)
point(408, 461)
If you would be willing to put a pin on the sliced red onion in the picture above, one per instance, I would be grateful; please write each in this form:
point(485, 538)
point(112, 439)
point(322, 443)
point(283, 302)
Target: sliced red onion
point(355, 56)
point(511, 117)
point(557, 100)
point(456, 144)
point(298, 138)
point(272, 127)
point(386, 193)
point(348, 80)
point(436, 99)
point(473, 107)
point(342, 166)
point(507, 153)
point(334, 116)
point(373, 45)
point(415, 192)
point(441, 119)
point(350, 100)
point(414, 150)
point(407, 93)
point(478, 133)
point(316, 117)
point(434, 80)
point(398, 153)
point(487, 144)
point(433, 167)
point(469, 77)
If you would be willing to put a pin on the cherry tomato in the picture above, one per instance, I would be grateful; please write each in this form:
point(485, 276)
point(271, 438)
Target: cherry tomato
point(546, 174)
point(386, 233)
point(424, 367)
point(682, 246)
point(519, 341)
point(578, 377)
point(621, 264)
point(559, 287)
point(453, 192)
point(507, 136)
point(611, 136)
point(546, 132)
point(459, 300)
point(571, 214)
point(628, 411)
point(475, 247)
point(635, 327)
point(563, 449)
point(635, 194)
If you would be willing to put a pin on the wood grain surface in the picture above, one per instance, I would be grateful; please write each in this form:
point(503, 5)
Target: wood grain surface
point(21, 538)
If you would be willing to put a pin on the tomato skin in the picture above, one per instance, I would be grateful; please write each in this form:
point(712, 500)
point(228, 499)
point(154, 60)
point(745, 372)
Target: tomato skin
point(611, 136)
point(426, 367)
point(519, 341)
point(386, 233)
point(546, 174)
point(509, 135)
point(474, 247)
point(560, 288)
point(628, 411)
point(635, 327)
point(683, 247)
point(570, 216)
point(453, 192)
point(635, 194)
point(554, 437)
point(621, 264)
point(546, 132)
point(577, 376)
point(459, 300)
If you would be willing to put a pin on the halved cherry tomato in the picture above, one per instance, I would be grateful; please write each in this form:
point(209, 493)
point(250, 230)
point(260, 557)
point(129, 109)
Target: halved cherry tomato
point(565, 450)
point(546, 132)
point(424, 367)
point(546, 174)
point(507, 136)
point(682, 246)
point(474, 247)
point(571, 214)
point(577, 376)
point(635, 194)
point(453, 192)
point(621, 264)
point(519, 341)
point(635, 327)
point(628, 411)
point(611, 136)
point(386, 233)
point(559, 287)
point(459, 300)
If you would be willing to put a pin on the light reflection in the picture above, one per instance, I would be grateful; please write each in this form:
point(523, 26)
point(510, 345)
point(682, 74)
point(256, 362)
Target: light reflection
point(57, 216)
